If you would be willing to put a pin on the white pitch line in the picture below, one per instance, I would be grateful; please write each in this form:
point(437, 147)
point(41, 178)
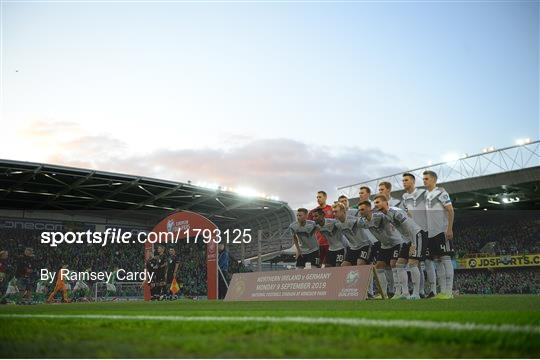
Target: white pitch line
point(420, 324)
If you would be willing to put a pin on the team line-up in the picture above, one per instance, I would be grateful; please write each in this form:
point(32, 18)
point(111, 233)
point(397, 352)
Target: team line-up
point(397, 236)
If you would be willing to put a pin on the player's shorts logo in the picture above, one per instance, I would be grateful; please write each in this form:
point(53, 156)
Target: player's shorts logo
point(352, 277)
point(170, 225)
point(472, 263)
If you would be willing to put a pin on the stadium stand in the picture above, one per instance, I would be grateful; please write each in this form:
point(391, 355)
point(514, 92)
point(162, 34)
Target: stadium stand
point(517, 234)
point(507, 281)
point(512, 232)
point(80, 257)
point(34, 192)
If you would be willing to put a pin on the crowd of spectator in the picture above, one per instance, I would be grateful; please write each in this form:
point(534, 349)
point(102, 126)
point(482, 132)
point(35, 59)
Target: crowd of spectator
point(191, 275)
point(507, 281)
point(79, 257)
point(192, 270)
point(513, 232)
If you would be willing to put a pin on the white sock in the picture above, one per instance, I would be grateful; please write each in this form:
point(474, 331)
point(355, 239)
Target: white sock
point(441, 275)
point(430, 271)
point(403, 279)
point(381, 274)
point(397, 282)
point(390, 278)
point(449, 271)
point(421, 280)
point(415, 277)
point(370, 288)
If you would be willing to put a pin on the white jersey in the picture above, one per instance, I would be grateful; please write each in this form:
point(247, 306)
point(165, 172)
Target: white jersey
point(306, 236)
point(354, 233)
point(437, 220)
point(344, 241)
point(352, 212)
point(394, 202)
point(332, 233)
point(415, 204)
point(370, 236)
point(383, 230)
point(403, 223)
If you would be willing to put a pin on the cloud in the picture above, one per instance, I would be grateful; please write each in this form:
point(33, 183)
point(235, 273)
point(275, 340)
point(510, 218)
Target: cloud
point(293, 170)
point(41, 129)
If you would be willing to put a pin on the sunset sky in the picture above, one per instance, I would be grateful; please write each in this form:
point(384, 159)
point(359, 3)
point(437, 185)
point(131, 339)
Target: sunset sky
point(284, 97)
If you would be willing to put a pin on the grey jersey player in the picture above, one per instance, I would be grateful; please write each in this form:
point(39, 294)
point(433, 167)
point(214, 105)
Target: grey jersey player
point(409, 252)
point(329, 228)
point(303, 232)
point(354, 232)
point(406, 226)
point(363, 195)
point(383, 230)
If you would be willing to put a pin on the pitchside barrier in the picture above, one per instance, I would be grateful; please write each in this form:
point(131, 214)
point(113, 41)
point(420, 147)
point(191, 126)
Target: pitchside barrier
point(334, 283)
point(502, 261)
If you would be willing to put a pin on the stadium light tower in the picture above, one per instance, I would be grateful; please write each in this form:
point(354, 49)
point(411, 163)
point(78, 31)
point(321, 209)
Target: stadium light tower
point(523, 141)
point(455, 167)
point(451, 157)
point(247, 191)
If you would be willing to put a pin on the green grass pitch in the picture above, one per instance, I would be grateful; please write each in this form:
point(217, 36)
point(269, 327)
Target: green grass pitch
point(106, 337)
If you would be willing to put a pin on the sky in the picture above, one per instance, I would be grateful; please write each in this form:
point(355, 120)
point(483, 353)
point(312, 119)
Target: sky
point(284, 97)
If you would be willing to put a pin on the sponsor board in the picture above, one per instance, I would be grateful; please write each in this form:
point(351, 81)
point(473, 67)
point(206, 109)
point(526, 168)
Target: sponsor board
point(336, 283)
point(503, 261)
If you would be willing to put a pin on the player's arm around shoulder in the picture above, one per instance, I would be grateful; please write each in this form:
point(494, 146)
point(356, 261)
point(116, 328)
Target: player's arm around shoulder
point(361, 222)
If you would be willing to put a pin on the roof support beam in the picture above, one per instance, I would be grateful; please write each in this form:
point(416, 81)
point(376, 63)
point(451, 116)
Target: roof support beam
point(157, 197)
point(73, 185)
point(115, 192)
point(22, 181)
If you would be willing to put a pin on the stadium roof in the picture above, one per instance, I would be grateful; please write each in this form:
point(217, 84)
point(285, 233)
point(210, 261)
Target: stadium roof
point(504, 178)
point(519, 189)
point(36, 186)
